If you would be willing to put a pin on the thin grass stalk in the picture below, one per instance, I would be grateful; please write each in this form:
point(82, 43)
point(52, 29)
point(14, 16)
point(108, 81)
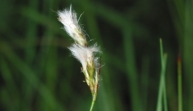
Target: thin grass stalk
point(162, 81)
point(164, 86)
point(30, 76)
point(29, 50)
point(187, 51)
point(93, 101)
point(12, 88)
point(182, 17)
point(131, 69)
point(180, 106)
point(159, 101)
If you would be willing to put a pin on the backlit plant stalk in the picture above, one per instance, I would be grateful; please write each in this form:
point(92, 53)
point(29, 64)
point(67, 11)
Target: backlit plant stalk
point(81, 51)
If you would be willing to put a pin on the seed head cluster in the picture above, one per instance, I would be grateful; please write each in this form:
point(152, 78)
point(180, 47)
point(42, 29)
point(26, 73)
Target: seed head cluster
point(85, 54)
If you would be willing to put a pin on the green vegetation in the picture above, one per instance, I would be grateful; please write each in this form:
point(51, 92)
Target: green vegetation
point(38, 72)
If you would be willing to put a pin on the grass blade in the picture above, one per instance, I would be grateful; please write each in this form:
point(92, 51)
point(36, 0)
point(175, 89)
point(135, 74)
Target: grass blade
point(162, 88)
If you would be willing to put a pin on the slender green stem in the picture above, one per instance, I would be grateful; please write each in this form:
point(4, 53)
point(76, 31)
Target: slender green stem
point(162, 87)
point(93, 101)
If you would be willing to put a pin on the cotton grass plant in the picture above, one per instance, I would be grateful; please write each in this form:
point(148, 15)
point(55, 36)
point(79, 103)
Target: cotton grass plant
point(85, 54)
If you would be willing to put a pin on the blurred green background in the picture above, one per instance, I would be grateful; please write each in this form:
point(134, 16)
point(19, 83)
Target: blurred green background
point(38, 73)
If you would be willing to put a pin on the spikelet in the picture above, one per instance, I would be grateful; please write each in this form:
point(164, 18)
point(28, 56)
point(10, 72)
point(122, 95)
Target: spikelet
point(85, 54)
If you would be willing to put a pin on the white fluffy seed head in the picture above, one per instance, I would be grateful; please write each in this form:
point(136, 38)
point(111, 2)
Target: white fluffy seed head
point(69, 19)
point(80, 49)
point(85, 55)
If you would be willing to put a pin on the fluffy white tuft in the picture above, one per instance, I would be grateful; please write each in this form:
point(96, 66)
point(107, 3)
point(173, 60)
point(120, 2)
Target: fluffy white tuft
point(69, 19)
point(85, 54)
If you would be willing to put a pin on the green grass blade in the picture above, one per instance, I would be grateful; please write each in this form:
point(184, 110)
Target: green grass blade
point(164, 85)
point(162, 88)
point(131, 69)
point(31, 77)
